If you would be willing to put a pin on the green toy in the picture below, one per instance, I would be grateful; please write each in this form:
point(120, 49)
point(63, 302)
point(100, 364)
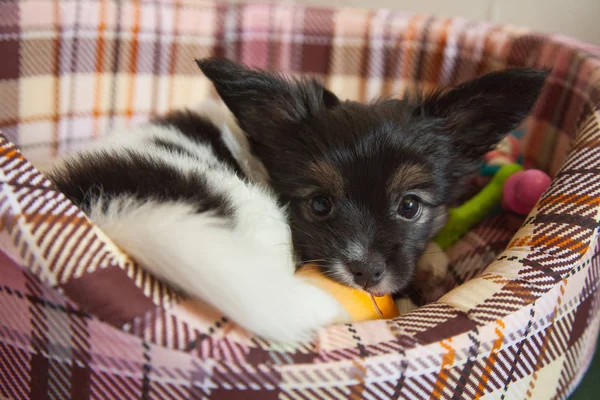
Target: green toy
point(462, 218)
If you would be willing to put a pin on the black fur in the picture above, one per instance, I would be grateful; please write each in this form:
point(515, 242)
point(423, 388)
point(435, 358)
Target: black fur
point(292, 124)
point(103, 175)
point(196, 128)
point(172, 147)
point(106, 176)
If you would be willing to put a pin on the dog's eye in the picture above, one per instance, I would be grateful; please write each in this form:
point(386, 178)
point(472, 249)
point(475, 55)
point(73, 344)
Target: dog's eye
point(410, 207)
point(321, 206)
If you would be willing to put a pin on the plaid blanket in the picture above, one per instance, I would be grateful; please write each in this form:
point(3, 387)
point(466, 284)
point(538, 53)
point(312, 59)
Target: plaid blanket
point(79, 319)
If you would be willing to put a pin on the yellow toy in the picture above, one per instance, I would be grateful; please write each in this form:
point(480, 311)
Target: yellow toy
point(361, 306)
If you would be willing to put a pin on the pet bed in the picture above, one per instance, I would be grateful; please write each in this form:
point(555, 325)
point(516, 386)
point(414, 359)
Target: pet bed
point(79, 319)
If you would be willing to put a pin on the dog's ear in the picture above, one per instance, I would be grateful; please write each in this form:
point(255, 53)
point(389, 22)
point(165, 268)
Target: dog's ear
point(265, 102)
point(479, 113)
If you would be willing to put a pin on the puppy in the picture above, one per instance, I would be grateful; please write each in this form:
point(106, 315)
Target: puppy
point(224, 206)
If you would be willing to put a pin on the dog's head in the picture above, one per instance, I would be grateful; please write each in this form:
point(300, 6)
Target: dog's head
point(368, 185)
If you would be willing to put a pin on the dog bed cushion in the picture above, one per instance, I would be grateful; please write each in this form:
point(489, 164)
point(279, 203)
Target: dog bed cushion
point(79, 319)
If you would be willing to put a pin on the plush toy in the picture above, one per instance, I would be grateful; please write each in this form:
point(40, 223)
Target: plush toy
point(523, 189)
point(360, 305)
point(462, 218)
point(507, 151)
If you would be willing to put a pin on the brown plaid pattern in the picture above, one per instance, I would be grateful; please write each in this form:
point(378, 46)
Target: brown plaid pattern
point(78, 319)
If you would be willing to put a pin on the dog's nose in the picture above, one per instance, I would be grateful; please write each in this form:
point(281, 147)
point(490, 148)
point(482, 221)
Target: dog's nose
point(367, 273)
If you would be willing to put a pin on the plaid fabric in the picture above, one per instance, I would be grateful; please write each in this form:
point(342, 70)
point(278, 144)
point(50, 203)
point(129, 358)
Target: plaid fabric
point(79, 319)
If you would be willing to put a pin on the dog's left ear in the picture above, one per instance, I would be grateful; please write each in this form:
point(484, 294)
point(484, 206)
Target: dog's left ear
point(479, 113)
point(264, 102)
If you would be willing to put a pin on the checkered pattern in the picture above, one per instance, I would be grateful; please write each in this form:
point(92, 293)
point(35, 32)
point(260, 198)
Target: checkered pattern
point(79, 319)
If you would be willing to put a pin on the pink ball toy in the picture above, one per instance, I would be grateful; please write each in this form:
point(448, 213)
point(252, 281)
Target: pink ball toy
point(523, 190)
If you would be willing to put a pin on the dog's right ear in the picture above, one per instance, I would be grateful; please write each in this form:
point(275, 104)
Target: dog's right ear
point(479, 113)
point(264, 102)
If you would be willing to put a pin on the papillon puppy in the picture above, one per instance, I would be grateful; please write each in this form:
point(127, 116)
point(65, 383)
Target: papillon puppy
point(224, 203)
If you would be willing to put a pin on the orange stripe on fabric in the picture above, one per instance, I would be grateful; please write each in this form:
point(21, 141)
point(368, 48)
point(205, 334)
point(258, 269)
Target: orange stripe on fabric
point(8, 221)
point(562, 242)
point(56, 72)
point(173, 59)
point(437, 58)
point(579, 199)
point(361, 379)
point(497, 279)
point(491, 360)
point(407, 58)
point(447, 361)
point(550, 241)
point(99, 62)
point(11, 153)
point(488, 52)
point(52, 219)
point(135, 31)
point(519, 242)
point(587, 145)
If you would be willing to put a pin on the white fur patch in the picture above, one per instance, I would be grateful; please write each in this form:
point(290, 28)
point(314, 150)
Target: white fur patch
point(246, 272)
point(355, 251)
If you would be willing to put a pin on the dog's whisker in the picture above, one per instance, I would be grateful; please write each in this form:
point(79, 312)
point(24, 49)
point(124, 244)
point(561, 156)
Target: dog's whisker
point(316, 260)
point(334, 232)
point(275, 219)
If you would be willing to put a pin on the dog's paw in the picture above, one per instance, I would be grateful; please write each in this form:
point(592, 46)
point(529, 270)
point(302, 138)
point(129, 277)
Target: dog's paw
point(298, 314)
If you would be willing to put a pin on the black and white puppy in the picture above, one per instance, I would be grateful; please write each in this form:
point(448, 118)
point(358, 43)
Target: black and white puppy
point(226, 208)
